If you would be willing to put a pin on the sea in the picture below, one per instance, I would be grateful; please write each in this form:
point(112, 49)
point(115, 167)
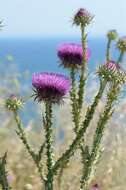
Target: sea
point(40, 54)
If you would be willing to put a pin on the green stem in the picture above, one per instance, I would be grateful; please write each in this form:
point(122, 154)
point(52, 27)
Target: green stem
point(83, 71)
point(22, 136)
point(74, 105)
point(108, 50)
point(48, 130)
point(89, 115)
point(59, 179)
point(120, 59)
point(105, 116)
point(75, 112)
point(3, 174)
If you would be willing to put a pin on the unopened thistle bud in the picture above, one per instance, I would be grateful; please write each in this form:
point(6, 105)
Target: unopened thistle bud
point(121, 44)
point(112, 72)
point(112, 35)
point(13, 103)
point(82, 18)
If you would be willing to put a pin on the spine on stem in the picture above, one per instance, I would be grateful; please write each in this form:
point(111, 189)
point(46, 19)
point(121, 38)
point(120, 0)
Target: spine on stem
point(105, 116)
point(49, 153)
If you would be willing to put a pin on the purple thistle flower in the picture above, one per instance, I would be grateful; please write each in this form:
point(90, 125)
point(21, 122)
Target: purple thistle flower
point(82, 17)
point(50, 86)
point(71, 55)
point(95, 187)
point(13, 97)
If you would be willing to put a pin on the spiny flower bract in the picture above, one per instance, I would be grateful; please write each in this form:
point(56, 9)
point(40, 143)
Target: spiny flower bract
point(13, 103)
point(82, 17)
point(113, 72)
point(71, 55)
point(50, 87)
point(121, 44)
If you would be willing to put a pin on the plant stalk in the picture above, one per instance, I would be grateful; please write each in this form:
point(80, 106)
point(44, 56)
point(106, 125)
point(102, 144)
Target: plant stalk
point(49, 152)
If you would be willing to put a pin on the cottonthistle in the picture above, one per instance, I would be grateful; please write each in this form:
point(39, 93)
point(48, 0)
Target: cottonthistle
point(50, 87)
point(71, 55)
point(13, 103)
point(82, 18)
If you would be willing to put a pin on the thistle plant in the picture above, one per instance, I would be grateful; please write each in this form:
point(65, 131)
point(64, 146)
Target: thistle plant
point(3, 173)
point(50, 89)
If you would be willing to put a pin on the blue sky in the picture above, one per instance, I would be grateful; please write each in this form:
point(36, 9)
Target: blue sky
point(53, 17)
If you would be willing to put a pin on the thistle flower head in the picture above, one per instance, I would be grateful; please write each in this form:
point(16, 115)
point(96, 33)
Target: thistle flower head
point(121, 44)
point(95, 187)
point(50, 87)
point(82, 18)
point(13, 103)
point(113, 72)
point(71, 55)
point(112, 35)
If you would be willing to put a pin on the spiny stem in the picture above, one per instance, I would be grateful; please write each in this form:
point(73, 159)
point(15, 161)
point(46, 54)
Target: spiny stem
point(60, 177)
point(90, 112)
point(21, 133)
point(74, 103)
point(49, 152)
point(83, 70)
point(41, 151)
point(75, 111)
point(3, 174)
point(104, 117)
point(120, 59)
point(108, 50)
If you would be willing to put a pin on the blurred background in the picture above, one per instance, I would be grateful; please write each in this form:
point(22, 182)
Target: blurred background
point(32, 32)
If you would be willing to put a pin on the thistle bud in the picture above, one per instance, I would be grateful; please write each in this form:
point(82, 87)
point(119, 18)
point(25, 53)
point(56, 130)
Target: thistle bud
point(82, 18)
point(112, 35)
point(112, 72)
point(121, 44)
point(13, 103)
